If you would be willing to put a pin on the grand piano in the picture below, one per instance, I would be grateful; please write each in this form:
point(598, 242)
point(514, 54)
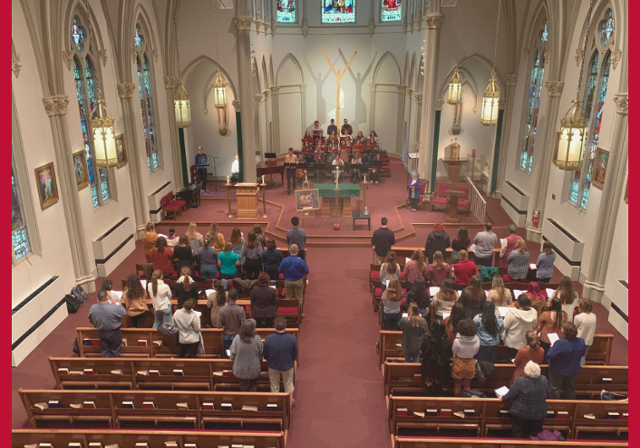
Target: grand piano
point(271, 169)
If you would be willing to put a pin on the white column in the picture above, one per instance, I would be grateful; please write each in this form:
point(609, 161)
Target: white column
point(275, 118)
point(171, 83)
point(510, 81)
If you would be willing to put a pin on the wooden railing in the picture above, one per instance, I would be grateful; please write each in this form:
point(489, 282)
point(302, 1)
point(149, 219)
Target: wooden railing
point(478, 204)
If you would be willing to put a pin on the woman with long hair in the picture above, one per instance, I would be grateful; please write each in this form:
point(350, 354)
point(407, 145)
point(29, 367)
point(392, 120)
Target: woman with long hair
point(216, 238)
point(413, 327)
point(183, 254)
point(263, 302)
point(391, 298)
point(160, 295)
point(257, 229)
point(545, 262)
point(389, 269)
point(498, 294)
point(585, 322)
point(216, 300)
point(135, 299)
point(195, 237)
point(419, 295)
point(373, 138)
point(464, 348)
point(518, 262)
point(438, 270)
point(208, 260)
point(188, 324)
point(149, 238)
point(162, 257)
point(451, 322)
point(271, 259)
point(473, 297)
point(567, 296)
point(436, 358)
point(228, 262)
point(252, 254)
point(415, 268)
point(185, 287)
point(551, 322)
point(460, 242)
point(438, 240)
point(444, 299)
point(489, 330)
point(532, 351)
point(518, 321)
point(237, 242)
point(360, 138)
point(246, 353)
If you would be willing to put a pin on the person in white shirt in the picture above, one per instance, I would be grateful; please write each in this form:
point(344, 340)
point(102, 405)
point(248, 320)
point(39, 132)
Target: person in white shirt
point(485, 242)
point(160, 295)
point(567, 296)
point(586, 323)
point(188, 324)
point(235, 170)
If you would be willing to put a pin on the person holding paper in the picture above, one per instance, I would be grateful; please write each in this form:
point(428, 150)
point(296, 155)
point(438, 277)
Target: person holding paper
point(112, 297)
point(231, 317)
point(418, 295)
point(185, 287)
point(508, 244)
point(263, 302)
point(550, 323)
point(531, 352)
point(216, 300)
point(473, 297)
point(489, 330)
point(545, 262)
point(391, 298)
point(149, 238)
point(135, 299)
point(208, 260)
point(246, 354)
point(485, 241)
point(498, 294)
point(567, 296)
point(586, 323)
point(160, 295)
point(436, 358)
point(518, 321)
point(162, 257)
point(438, 270)
point(183, 254)
point(438, 240)
point(518, 262)
point(564, 363)
point(389, 269)
point(465, 347)
point(107, 318)
point(415, 268)
point(529, 402)
point(451, 322)
point(463, 271)
point(413, 329)
point(188, 324)
point(444, 299)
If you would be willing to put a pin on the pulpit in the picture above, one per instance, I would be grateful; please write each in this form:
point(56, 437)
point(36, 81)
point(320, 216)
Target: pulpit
point(453, 168)
point(247, 198)
point(453, 196)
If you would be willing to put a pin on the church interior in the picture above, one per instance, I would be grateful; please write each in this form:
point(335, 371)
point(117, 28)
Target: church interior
point(387, 153)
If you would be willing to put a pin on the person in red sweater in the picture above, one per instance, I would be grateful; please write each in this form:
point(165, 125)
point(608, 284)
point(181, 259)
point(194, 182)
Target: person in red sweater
point(512, 239)
point(463, 270)
point(162, 257)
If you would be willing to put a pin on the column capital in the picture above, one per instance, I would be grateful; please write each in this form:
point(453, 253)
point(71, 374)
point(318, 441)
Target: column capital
point(236, 105)
point(55, 105)
point(554, 88)
point(616, 57)
point(16, 65)
point(439, 103)
point(257, 99)
point(242, 23)
point(401, 89)
point(622, 103)
point(275, 90)
point(417, 97)
point(103, 56)
point(170, 82)
point(434, 21)
point(511, 79)
point(126, 90)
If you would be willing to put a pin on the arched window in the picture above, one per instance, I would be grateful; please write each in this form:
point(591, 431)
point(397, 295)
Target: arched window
point(286, 11)
point(595, 94)
point(19, 234)
point(534, 91)
point(145, 89)
point(84, 75)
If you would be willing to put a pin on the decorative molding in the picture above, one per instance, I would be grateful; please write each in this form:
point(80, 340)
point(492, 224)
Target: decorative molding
point(578, 57)
point(170, 82)
point(257, 99)
point(511, 79)
point(305, 28)
point(411, 27)
point(55, 105)
point(554, 88)
point(16, 65)
point(67, 58)
point(303, 88)
point(622, 103)
point(434, 21)
point(266, 94)
point(103, 56)
point(126, 90)
point(404, 28)
point(156, 55)
point(616, 57)
point(439, 103)
point(275, 90)
point(266, 28)
point(273, 30)
point(401, 89)
point(236, 105)
point(371, 27)
point(242, 23)
point(502, 103)
point(206, 111)
point(258, 22)
point(417, 97)
point(134, 55)
point(419, 23)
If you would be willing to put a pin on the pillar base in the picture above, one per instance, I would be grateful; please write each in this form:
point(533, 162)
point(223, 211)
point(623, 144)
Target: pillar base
point(534, 234)
point(593, 291)
point(88, 283)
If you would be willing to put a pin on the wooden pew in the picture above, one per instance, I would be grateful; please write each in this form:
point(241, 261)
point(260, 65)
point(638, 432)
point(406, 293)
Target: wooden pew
point(406, 252)
point(212, 337)
point(400, 379)
point(490, 417)
point(442, 442)
point(389, 346)
point(197, 374)
point(129, 438)
point(109, 411)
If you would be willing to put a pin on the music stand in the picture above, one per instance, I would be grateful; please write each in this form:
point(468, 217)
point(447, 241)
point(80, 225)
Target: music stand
point(215, 173)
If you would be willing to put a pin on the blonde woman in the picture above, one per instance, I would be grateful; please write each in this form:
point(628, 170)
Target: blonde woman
point(389, 269)
point(216, 238)
point(195, 238)
point(391, 299)
point(586, 323)
point(567, 296)
point(413, 327)
point(519, 262)
point(498, 294)
point(416, 268)
point(149, 238)
point(438, 270)
point(445, 299)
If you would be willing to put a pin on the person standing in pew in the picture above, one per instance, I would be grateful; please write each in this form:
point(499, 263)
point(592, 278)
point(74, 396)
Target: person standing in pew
point(485, 241)
point(246, 354)
point(107, 318)
point(230, 318)
point(160, 295)
point(465, 348)
point(586, 323)
point(489, 330)
point(208, 260)
point(438, 271)
point(413, 327)
point(388, 270)
point(551, 321)
point(444, 299)
point(529, 407)
point(296, 235)
point(438, 240)
point(531, 352)
point(545, 262)
point(162, 257)
point(564, 363)
point(188, 324)
point(382, 240)
point(216, 300)
point(509, 244)
point(135, 299)
point(436, 358)
point(416, 268)
point(463, 270)
point(185, 287)
point(293, 269)
point(263, 301)
point(271, 259)
point(518, 321)
point(418, 295)
point(391, 298)
point(280, 352)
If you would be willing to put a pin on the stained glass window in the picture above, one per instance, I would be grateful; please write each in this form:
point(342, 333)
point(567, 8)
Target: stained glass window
point(607, 27)
point(145, 89)
point(536, 78)
point(286, 11)
point(78, 36)
point(391, 10)
point(338, 11)
point(19, 235)
point(138, 39)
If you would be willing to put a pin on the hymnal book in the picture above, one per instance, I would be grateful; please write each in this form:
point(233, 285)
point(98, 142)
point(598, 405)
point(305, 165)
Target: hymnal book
point(218, 373)
point(89, 404)
point(563, 415)
point(154, 373)
point(142, 445)
point(31, 445)
point(407, 259)
point(157, 343)
point(143, 343)
point(250, 408)
point(54, 404)
point(402, 412)
point(419, 414)
point(405, 314)
point(116, 372)
point(182, 406)
point(197, 313)
point(178, 372)
point(226, 406)
point(116, 294)
point(74, 445)
point(533, 267)
point(445, 412)
point(227, 373)
point(142, 372)
point(41, 406)
point(624, 416)
point(76, 372)
point(125, 343)
point(472, 248)
point(417, 377)
point(550, 292)
point(445, 315)
point(45, 445)
point(190, 445)
point(398, 346)
point(63, 371)
point(115, 445)
point(590, 416)
point(236, 445)
point(75, 405)
point(272, 407)
point(171, 444)
point(433, 290)
point(504, 412)
point(469, 412)
point(503, 310)
point(95, 444)
point(148, 405)
point(144, 283)
point(459, 414)
point(207, 407)
point(551, 414)
point(607, 381)
point(89, 372)
point(228, 354)
point(613, 415)
point(432, 412)
point(208, 292)
point(128, 405)
point(553, 337)
point(504, 390)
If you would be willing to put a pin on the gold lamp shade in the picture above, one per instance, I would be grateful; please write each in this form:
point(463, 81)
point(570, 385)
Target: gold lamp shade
point(104, 141)
point(182, 106)
point(219, 91)
point(455, 88)
point(490, 103)
point(570, 141)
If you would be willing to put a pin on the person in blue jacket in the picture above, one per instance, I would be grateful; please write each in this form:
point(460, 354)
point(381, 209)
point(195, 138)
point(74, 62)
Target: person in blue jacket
point(564, 363)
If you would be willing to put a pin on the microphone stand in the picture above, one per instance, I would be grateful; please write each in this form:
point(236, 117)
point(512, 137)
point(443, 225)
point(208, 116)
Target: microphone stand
point(215, 173)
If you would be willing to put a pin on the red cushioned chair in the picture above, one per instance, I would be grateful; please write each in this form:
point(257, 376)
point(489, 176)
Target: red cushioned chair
point(290, 310)
point(464, 201)
point(438, 197)
point(170, 209)
point(175, 200)
point(386, 165)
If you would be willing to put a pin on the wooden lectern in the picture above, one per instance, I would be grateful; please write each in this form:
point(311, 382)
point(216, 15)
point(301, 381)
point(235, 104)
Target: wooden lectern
point(453, 205)
point(453, 168)
point(247, 198)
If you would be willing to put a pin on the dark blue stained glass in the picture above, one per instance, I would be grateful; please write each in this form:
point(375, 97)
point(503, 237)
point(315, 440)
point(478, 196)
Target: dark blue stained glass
point(91, 87)
point(78, 35)
point(150, 114)
point(573, 193)
point(138, 39)
point(607, 27)
point(94, 196)
point(592, 81)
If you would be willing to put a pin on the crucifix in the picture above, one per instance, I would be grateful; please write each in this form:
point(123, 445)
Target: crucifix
point(338, 74)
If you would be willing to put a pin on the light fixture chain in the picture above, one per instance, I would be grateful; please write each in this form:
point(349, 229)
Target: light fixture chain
point(91, 47)
point(459, 33)
point(495, 48)
point(584, 49)
point(215, 28)
point(175, 31)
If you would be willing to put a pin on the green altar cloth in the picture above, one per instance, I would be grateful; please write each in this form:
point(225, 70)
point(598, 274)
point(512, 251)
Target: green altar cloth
point(345, 190)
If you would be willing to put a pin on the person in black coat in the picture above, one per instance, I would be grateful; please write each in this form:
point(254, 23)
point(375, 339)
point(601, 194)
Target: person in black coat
point(436, 358)
point(438, 240)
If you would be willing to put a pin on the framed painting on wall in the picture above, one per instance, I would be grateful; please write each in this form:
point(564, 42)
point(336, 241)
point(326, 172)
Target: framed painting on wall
point(600, 168)
point(121, 151)
point(80, 169)
point(47, 185)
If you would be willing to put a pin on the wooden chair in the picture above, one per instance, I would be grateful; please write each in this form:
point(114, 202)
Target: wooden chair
point(464, 201)
point(385, 168)
point(290, 310)
point(171, 211)
point(174, 200)
point(438, 197)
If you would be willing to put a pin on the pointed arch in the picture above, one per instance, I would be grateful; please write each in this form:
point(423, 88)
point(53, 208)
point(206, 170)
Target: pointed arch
point(202, 58)
point(412, 71)
point(392, 63)
point(142, 17)
point(405, 74)
point(290, 58)
point(265, 75)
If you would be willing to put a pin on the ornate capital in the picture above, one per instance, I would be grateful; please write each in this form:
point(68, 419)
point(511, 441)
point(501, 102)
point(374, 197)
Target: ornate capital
point(371, 27)
point(404, 28)
point(170, 82)
point(156, 55)
point(275, 90)
point(103, 56)
point(126, 90)
point(417, 98)
point(434, 21)
point(439, 103)
point(578, 57)
point(16, 65)
point(67, 58)
point(554, 88)
point(622, 103)
point(242, 23)
point(273, 30)
point(236, 105)
point(303, 88)
point(616, 56)
point(511, 79)
point(257, 99)
point(55, 105)
point(305, 30)
point(401, 89)
point(266, 94)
